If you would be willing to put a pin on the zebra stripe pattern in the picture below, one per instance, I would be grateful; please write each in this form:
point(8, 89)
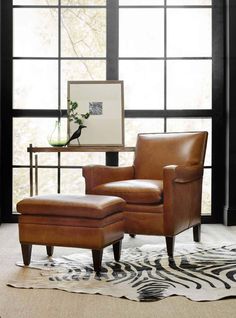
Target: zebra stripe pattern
point(143, 274)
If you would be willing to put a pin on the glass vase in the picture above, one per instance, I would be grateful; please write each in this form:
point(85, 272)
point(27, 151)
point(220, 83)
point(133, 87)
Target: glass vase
point(58, 137)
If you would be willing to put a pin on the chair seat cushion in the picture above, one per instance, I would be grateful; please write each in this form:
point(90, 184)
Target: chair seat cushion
point(133, 191)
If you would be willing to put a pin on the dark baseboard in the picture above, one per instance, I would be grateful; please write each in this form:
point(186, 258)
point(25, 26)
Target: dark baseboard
point(12, 219)
point(208, 219)
point(229, 216)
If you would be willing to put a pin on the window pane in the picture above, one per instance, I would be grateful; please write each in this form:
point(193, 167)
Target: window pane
point(134, 126)
point(34, 32)
point(55, 2)
point(83, 32)
point(141, 32)
point(82, 159)
point(143, 84)
point(35, 84)
point(126, 159)
point(206, 192)
point(189, 33)
point(83, 2)
point(47, 181)
point(21, 185)
point(72, 181)
point(35, 2)
point(141, 2)
point(189, 2)
point(21, 188)
point(32, 131)
point(193, 124)
point(80, 71)
point(189, 84)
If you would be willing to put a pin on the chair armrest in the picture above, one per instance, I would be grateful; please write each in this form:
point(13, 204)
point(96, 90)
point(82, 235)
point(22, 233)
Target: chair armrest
point(183, 174)
point(98, 174)
point(182, 187)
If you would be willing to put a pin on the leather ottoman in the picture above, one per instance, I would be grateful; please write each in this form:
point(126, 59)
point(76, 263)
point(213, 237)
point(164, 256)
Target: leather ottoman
point(84, 221)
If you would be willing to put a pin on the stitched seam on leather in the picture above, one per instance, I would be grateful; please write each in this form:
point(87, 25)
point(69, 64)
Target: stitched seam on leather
point(93, 227)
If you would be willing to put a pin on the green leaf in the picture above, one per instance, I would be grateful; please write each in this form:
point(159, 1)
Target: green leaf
point(73, 115)
point(74, 105)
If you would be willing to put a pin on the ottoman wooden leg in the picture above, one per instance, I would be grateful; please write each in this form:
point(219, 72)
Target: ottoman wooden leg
point(197, 233)
point(26, 253)
point(170, 242)
point(97, 260)
point(50, 250)
point(117, 250)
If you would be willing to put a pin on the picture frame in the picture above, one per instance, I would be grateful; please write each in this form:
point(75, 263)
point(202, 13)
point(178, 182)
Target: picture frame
point(104, 101)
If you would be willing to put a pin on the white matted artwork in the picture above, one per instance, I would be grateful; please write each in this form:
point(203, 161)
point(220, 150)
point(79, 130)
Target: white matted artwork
point(104, 101)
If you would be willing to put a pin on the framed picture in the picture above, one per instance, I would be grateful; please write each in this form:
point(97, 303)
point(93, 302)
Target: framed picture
point(104, 101)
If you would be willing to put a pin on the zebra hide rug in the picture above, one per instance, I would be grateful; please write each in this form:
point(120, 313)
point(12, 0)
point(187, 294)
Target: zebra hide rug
point(143, 274)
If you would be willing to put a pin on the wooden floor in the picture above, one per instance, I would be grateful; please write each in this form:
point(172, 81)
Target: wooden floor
point(33, 303)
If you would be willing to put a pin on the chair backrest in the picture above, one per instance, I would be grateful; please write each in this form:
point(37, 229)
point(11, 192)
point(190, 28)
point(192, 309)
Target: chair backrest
point(154, 151)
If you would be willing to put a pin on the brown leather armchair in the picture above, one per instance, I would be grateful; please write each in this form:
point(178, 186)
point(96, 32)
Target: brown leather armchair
point(162, 189)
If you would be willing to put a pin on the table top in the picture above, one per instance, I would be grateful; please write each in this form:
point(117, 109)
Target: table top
point(81, 149)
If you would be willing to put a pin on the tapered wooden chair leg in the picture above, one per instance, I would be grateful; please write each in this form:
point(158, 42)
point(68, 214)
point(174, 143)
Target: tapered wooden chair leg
point(26, 253)
point(97, 260)
point(197, 233)
point(50, 250)
point(117, 250)
point(170, 242)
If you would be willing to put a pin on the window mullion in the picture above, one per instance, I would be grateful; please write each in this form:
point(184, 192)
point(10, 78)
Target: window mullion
point(112, 46)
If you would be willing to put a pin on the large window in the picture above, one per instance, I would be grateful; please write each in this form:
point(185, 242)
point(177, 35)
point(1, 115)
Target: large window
point(62, 40)
point(165, 60)
point(163, 50)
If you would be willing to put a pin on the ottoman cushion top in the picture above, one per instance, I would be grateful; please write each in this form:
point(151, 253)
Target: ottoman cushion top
point(87, 206)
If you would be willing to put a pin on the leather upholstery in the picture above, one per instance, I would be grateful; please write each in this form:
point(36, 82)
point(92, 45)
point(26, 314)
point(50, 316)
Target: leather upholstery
point(89, 206)
point(71, 236)
point(133, 191)
point(176, 159)
point(98, 174)
point(155, 151)
point(86, 221)
point(144, 223)
point(70, 221)
point(149, 208)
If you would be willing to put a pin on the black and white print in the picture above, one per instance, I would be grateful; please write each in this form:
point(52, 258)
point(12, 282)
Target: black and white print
point(95, 108)
point(143, 274)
